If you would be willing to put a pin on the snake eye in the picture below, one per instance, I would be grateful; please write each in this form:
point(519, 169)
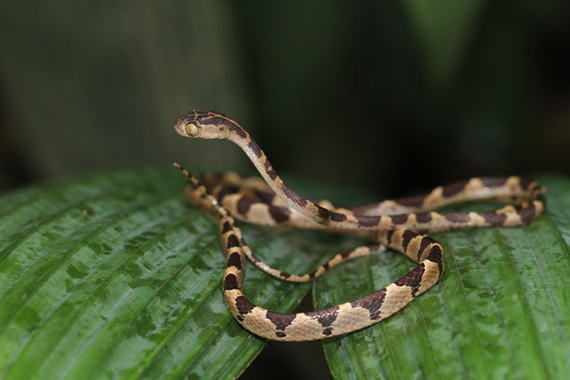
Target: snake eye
point(192, 130)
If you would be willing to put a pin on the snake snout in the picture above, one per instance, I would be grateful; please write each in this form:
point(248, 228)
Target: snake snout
point(179, 125)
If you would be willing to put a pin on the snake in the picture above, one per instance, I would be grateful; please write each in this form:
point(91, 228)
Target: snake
point(400, 224)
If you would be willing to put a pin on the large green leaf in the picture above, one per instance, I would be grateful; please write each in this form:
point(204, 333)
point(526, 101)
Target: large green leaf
point(501, 310)
point(112, 276)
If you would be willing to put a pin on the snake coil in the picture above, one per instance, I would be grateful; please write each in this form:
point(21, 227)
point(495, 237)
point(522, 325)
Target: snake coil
point(399, 224)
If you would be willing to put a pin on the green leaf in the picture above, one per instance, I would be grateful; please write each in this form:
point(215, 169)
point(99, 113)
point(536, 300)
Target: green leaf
point(501, 310)
point(112, 276)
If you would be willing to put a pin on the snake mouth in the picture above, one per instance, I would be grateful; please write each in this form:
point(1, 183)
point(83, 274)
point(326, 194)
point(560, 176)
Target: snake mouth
point(179, 127)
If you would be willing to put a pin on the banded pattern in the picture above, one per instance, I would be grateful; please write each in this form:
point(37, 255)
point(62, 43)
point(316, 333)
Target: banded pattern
point(333, 321)
point(388, 223)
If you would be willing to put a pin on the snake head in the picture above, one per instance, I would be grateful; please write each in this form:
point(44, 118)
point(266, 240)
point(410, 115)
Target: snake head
point(203, 125)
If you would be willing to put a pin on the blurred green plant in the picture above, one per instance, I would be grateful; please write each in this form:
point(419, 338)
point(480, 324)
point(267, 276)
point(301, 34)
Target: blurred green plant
point(444, 29)
point(438, 90)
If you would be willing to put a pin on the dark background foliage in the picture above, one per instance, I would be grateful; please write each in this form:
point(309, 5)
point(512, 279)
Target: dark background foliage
point(394, 97)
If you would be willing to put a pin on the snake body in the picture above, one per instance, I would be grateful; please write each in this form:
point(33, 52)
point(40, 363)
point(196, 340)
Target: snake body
point(398, 224)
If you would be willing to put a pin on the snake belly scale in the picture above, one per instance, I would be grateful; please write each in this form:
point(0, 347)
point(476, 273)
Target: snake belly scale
point(399, 224)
